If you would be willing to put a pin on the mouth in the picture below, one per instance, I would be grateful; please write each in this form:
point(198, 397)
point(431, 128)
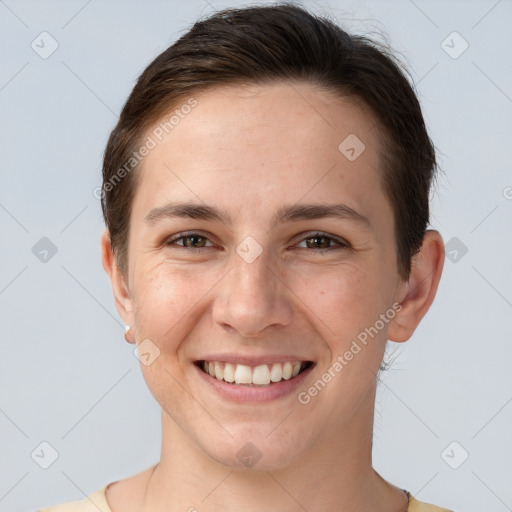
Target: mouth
point(258, 376)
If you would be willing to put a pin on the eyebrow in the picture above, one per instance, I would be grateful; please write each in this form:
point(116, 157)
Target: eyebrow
point(293, 213)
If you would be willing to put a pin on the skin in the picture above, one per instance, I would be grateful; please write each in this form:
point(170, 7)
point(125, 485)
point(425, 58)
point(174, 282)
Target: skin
point(249, 151)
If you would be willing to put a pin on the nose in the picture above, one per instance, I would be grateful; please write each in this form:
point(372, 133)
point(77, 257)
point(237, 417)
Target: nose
point(252, 297)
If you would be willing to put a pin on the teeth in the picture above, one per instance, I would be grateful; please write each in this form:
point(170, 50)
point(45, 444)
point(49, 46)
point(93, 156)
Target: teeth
point(261, 375)
point(287, 370)
point(243, 374)
point(276, 374)
point(229, 372)
point(219, 374)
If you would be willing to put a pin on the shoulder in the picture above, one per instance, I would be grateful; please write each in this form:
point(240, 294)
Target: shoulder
point(420, 506)
point(123, 494)
point(95, 502)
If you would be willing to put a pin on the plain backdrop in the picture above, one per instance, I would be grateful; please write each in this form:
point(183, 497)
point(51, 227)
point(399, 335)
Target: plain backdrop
point(72, 396)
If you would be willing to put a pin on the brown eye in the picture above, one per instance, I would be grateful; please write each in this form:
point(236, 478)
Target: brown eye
point(322, 242)
point(190, 241)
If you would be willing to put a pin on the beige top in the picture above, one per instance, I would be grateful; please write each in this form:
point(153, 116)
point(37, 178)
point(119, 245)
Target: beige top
point(97, 501)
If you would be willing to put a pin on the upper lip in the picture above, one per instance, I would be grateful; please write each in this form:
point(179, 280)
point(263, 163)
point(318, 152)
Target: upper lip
point(253, 360)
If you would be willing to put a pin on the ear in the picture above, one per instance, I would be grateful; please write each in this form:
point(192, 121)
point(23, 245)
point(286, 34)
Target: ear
point(418, 292)
point(122, 296)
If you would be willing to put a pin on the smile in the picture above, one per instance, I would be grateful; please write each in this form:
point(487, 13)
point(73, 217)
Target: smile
point(249, 376)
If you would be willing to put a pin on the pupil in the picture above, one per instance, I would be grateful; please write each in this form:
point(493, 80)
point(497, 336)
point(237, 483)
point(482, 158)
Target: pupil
point(192, 238)
point(317, 238)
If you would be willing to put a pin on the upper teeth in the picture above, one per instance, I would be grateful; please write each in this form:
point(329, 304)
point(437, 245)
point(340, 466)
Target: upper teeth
point(243, 374)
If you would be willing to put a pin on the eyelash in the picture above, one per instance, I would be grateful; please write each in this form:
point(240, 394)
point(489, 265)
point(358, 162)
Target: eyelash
point(315, 234)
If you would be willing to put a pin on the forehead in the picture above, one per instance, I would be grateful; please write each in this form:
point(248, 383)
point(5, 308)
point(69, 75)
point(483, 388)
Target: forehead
point(259, 144)
point(257, 114)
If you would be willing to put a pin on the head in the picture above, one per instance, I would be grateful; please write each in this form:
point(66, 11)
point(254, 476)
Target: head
point(259, 119)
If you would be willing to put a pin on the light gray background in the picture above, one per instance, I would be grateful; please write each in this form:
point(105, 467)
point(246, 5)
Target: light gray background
point(68, 378)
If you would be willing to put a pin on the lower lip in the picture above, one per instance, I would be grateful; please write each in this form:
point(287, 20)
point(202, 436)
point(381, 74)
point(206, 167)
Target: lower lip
point(242, 393)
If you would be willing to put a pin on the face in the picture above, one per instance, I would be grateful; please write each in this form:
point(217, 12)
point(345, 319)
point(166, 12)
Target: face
point(248, 274)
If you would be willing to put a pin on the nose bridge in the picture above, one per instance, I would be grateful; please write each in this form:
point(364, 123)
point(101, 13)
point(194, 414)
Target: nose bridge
point(251, 297)
point(252, 275)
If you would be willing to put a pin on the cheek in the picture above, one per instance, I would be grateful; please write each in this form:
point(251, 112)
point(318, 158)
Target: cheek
point(166, 306)
point(344, 299)
point(338, 301)
point(164, 299)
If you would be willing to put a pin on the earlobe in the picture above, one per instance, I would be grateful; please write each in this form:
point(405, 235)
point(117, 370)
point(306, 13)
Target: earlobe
point(418, 292)
point(122, 297)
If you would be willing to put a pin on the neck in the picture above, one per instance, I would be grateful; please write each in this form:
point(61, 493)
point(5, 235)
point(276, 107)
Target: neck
point(333, 474)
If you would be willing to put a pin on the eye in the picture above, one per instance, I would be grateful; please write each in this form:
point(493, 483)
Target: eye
point(189, 241)
point(319, 238)
point(196, 242)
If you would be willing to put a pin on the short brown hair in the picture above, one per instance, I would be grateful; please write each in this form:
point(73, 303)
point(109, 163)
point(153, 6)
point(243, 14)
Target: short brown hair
point(268, 44)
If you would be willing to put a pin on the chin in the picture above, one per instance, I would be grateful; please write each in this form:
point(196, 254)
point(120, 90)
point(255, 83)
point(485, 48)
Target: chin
point(256, 452)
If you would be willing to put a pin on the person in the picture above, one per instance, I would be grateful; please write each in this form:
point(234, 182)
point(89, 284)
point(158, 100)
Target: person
point(266, 200)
